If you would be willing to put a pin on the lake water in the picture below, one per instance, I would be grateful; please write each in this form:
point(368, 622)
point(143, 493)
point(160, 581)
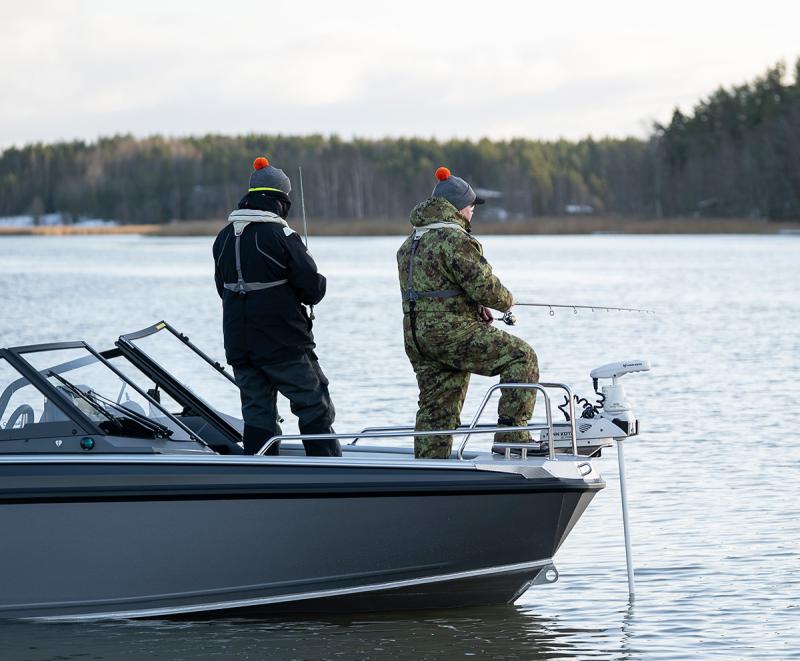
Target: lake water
point(713, 477)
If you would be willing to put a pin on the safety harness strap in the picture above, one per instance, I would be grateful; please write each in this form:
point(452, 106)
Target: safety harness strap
point(411, 295)
point(242, 287)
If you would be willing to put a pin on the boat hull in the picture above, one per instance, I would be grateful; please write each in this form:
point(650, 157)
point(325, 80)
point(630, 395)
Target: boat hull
point(135, 537)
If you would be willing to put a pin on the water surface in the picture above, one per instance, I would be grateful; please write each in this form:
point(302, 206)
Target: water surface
point(713, 478)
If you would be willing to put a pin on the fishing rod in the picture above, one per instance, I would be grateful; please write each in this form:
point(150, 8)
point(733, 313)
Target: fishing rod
point(511, 320)
point(575, 308)
point(305, 224)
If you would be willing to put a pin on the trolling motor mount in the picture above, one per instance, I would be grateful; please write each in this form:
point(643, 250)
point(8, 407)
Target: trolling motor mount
point(611, 418)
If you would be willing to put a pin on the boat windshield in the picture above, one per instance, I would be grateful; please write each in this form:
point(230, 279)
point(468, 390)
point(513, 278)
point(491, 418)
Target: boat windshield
point(26, 412)
point(103, 395)
point(171, 350)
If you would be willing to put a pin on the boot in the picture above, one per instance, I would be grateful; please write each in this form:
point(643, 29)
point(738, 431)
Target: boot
point(254, 439)
point(323, 448)
point(512, 436)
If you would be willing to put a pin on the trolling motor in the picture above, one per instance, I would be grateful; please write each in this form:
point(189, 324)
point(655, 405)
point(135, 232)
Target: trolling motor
point(610, 418)
point(615, 406)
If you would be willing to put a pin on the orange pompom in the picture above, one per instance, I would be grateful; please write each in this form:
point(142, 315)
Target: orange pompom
point(260, 162)
point(442, 174)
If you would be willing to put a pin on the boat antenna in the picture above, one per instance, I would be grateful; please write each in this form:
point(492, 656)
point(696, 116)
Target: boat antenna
point(305, 225)
point(303, 205)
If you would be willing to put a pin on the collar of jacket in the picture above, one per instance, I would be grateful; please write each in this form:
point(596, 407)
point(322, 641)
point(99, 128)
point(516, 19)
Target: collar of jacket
point(419, 231)
point(241, 218)
point(438, 210)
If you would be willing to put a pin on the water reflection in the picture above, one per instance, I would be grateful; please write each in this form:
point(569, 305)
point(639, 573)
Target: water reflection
point(627, 637)
point(507, 632)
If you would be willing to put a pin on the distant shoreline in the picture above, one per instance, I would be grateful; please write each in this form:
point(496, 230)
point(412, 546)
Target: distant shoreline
point(77, 230)
point(557, 226)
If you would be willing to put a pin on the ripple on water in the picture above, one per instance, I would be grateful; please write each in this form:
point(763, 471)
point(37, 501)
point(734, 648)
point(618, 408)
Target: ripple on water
point(714, 498)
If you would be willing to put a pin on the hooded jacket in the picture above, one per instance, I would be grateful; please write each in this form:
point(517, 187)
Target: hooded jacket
point(447, 259)
point(265, 276)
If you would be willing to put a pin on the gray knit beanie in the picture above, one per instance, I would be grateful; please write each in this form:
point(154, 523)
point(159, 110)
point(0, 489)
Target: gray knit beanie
point(267, 177)
point(455, 190)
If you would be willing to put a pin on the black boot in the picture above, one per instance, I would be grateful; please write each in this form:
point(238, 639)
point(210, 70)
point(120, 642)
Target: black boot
point(254, 439)
point(323, 448)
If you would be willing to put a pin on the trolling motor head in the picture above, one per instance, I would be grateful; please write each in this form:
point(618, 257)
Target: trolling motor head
point(616, 370)
point(615, 406)
point(610, 370)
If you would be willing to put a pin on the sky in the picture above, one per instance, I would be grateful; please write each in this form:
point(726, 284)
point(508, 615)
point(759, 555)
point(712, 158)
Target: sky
point(74, 69)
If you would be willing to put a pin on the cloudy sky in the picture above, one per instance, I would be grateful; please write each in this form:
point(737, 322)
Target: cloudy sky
point(564, 68)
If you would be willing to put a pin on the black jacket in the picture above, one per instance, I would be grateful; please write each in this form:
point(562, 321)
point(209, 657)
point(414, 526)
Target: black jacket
point(266, 325)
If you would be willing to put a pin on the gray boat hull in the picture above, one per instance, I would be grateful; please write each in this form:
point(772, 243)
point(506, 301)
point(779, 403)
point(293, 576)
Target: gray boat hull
point(149, 537)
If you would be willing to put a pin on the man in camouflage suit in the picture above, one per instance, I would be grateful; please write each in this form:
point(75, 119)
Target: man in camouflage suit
point(447, 288)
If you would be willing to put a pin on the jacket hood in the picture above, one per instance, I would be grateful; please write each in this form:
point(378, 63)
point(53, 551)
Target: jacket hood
point(437, 210)
point(274, 201)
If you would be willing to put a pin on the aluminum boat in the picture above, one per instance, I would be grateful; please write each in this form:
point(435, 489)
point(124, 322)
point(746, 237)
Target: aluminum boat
point(124, 493)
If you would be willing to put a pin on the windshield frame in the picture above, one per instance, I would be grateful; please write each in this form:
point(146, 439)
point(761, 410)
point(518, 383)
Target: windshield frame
point(38, 381)
point(17, 359)
point(129, 339)
point(177, 389)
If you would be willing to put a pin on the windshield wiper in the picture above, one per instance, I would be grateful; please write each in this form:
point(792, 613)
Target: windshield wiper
point(156, 427)
point(72, 388)
point(92, 397)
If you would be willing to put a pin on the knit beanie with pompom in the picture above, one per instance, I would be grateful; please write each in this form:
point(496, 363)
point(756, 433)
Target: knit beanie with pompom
point(455, 190)
point(268, 178)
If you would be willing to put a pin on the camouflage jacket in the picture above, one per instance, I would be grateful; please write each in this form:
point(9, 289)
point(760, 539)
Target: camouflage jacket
point(448, 258)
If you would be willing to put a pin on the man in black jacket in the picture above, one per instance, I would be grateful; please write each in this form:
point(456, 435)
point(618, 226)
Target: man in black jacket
point(266, 277)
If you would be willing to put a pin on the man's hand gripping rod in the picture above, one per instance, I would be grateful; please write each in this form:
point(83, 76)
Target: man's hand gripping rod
point(305, 224)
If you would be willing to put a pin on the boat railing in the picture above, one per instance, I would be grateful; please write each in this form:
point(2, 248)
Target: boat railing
point(467, 431)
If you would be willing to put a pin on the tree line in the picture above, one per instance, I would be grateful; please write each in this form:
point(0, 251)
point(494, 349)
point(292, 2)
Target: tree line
point(737, 154)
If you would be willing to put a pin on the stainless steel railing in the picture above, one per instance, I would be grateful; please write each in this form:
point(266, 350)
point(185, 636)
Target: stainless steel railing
point(467, 432)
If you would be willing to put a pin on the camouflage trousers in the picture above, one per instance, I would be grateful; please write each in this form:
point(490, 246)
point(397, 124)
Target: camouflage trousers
point(450, 353)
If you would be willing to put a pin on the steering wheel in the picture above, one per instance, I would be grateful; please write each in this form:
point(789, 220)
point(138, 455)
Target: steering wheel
point(22, 410)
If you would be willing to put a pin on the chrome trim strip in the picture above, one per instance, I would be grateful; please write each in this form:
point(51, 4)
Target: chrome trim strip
point(530, 468)
point(329, 462)
point(300, 596)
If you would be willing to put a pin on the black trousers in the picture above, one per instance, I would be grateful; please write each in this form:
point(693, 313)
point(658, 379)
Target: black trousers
point(303, 383)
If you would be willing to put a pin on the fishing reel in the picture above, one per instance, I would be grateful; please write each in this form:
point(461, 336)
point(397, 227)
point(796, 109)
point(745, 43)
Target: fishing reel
point(508, 318)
